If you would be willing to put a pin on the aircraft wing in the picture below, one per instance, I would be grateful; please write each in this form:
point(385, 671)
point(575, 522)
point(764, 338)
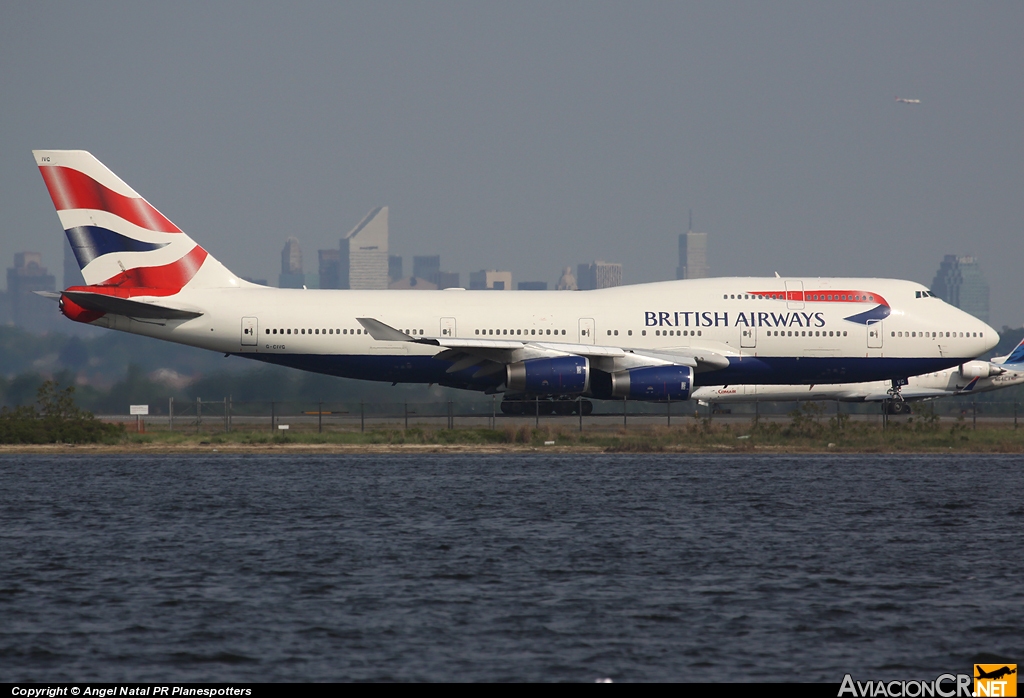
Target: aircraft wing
point(494, 354)
point(126, 306)
point(910, 394)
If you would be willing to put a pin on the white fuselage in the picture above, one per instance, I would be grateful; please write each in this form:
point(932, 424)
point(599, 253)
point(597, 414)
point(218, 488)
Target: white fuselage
point(772, 330)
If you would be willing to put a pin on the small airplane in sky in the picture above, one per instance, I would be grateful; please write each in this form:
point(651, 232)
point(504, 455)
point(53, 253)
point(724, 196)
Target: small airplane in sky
point(906, 100)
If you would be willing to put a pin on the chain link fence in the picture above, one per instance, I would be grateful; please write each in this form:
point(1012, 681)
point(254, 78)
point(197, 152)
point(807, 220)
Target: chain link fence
point(213, 415)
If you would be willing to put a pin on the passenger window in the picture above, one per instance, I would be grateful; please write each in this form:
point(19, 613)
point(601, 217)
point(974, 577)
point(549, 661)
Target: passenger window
point(643, 333)
point(630, 333)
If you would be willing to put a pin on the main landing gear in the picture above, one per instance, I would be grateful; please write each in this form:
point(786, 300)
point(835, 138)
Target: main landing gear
point(552, 404)
point(896, 404)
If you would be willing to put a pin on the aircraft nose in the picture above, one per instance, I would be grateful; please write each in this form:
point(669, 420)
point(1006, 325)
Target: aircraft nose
point(988, 337)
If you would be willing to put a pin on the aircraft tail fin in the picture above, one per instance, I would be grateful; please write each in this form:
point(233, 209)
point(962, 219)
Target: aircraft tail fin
point(1014, 357)
point(119, 238)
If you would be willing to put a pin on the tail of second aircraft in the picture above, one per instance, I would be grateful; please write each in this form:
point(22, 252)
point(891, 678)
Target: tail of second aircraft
point(119, 239)
point(1014, 357)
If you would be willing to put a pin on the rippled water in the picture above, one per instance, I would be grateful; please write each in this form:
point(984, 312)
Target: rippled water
point(676, 567)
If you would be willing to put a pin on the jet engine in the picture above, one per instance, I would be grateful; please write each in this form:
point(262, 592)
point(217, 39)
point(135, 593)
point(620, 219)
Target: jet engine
point(654, 383)
point(562, 375)
point(980, 369)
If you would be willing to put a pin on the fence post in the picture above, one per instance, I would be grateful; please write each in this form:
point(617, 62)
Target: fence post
point(320, 417)
point(624, 401)
point(406, 404)
point(536, 409)
point(974, 410)
point(1014, 414)
point(579, 408)
point(227, 418)
point(451, 415)
point(170, 414)
point(493, 421)
point(272, 425)
point(199, 413)
point(362, 416)
point(668, 412)
point(757, 412)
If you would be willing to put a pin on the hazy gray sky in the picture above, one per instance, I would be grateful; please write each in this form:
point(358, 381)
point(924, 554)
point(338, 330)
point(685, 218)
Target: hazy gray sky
point(529, 136)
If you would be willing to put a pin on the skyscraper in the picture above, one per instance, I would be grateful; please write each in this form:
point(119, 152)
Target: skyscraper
point(329, 261)
point(426, 267)
point(693, 256)
point(364, 253)
point(959, 282)
point(598, 275)
point(291, 265)
point(394, 268)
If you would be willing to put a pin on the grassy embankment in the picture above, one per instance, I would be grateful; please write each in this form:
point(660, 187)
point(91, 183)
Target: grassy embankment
point(803, 433)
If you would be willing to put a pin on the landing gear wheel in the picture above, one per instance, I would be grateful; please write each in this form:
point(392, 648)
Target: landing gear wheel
point(898, 407)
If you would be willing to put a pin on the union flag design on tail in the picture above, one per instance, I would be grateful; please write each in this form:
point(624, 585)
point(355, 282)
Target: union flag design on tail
point(123, 245)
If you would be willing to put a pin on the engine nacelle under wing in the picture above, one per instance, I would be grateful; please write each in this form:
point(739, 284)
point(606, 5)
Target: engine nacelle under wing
point(654, 383)
point(561, 375)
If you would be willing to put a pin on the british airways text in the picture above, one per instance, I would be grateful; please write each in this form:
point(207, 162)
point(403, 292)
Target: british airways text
point(716, 319)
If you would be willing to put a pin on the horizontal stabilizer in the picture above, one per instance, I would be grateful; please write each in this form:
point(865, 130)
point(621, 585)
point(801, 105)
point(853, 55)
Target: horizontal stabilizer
point(48, 294)
point(102, 303)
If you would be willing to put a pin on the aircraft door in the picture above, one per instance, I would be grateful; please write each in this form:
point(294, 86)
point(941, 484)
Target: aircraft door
point(795, 295)
point(250, 329)
point(447, 327)
point(874, 334)
point(748, 337)
point(586, 330)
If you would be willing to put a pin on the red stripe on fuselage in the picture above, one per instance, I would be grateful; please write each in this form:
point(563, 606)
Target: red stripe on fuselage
point(165, 280)
point(823, 296)
point(71, 189)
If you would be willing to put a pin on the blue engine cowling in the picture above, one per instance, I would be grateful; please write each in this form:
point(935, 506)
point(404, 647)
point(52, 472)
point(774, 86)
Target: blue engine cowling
point(654, 383)
point(562, 375)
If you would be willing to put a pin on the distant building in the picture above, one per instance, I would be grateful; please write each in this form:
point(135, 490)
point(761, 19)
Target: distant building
point(291, 265)
point(329, 268)
point(491, 279)
point(412, 283)
point(426, 266)
point(429, 267)
point(533, 286)
point(567, 282)
point(27, 310)
point(364, 253)
point(959, 282)
point(447, 279)
point(72, 272)
point(693, 256)
point(598, 275)
point(395, 268)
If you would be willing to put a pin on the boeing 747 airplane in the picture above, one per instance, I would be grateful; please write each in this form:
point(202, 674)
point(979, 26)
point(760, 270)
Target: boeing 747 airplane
point(653, 341)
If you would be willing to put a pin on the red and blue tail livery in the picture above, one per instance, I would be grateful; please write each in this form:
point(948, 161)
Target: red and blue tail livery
point(119, 239)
